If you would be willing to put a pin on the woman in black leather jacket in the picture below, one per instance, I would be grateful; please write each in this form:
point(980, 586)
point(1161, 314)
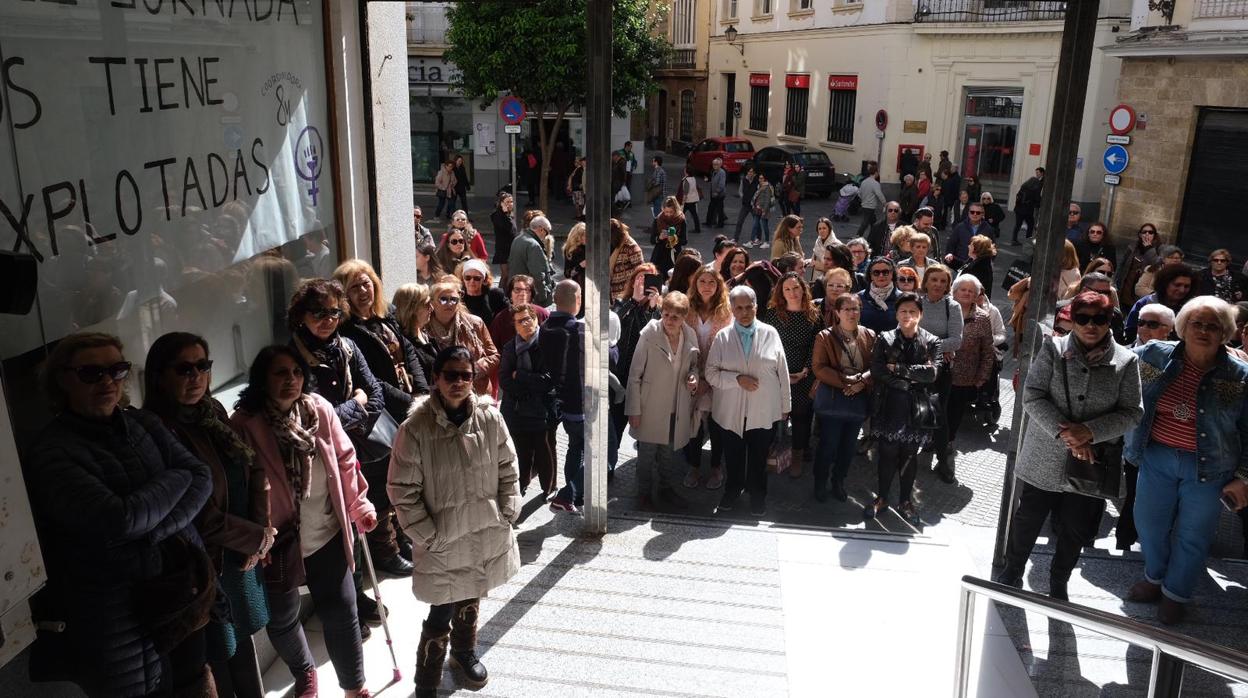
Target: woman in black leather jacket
point(904, 366)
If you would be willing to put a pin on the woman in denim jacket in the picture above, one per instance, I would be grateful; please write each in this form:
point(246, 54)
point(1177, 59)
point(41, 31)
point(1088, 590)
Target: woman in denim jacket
point(1191, 448)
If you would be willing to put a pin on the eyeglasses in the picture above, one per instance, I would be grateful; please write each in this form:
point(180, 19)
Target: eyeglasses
point(326, 314)
point(94, 373)
point(456, 376)
point(188, 369)
point(1153, 324)
point(881, 272)
point(1210, 327)
point(1082, 319)
point(1220, 260)
point(474, 277)
point(838, 287)
point(893, 210)
point(448, 300)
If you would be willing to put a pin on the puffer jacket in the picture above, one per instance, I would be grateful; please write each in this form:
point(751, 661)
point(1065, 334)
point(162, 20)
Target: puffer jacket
point(657, 386)
point(454, 490)
point(105, 494)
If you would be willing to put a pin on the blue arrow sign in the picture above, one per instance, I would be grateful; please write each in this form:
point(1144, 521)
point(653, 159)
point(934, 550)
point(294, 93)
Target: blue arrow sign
point(1116, 159)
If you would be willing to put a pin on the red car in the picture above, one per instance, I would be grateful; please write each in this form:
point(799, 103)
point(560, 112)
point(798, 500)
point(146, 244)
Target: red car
point(736, 152)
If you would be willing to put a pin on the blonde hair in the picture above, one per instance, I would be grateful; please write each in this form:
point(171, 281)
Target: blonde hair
point(576, 238)
point(444, 286)
point(407, 301)
point(349, 270)
point(675, 301)
point(717, 307)
point(901, 238)
point(1070, 257)
point(982, 245)
point(838, 273)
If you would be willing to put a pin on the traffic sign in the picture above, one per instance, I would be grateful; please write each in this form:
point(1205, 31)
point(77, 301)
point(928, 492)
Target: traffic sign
point(1121, 119)
point(512, 110)
point(511, 128)
point(881, 120)
point(1116, 159)
point(1113, 179)
point(1118, 140)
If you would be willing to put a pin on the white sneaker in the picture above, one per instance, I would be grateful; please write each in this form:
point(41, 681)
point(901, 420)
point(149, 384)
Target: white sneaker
point(763, 245)
point(749, 244)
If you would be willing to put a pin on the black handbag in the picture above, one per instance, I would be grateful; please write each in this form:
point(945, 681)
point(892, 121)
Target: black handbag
point(1103, 476)
point(924, 408)
point(1018, 271)
point(376, 446)
point(176, 602)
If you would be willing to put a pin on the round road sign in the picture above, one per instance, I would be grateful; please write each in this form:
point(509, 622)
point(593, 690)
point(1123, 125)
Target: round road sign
point(881, 119)
point(1116, 159)
point(1121, 119)
point(512, 110)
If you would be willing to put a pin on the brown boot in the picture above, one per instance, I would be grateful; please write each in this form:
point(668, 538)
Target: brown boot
point(1144, 591)
point(464, 644)
point(430, 656)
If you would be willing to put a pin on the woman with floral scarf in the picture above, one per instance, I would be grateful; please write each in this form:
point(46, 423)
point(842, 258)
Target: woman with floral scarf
point(452, 325)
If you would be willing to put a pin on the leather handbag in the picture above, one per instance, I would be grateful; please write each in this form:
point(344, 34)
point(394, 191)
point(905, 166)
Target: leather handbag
point(176, 602)
point(924, 408)
point(835, 404)
point(376, 446)
point(780, 454)
point(1103, 476)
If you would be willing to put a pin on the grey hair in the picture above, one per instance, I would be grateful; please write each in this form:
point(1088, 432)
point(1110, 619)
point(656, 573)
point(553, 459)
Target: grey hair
point(1163, 313)
point(718, 160)
point(1225, 312)
point(986, 195)
point(860, 241)
point(539, 222)
point(967, 279)
point(908, 178)
point(742, 290)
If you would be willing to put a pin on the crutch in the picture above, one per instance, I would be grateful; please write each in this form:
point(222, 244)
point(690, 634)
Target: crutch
point(385, 624)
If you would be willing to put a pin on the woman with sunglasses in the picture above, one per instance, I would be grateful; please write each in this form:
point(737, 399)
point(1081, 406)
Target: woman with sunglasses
point(1141, 255)
point(1082, 389)
point(481, 297)
point(234, 523)
point(316, 493)
point(1219, 279)
point(907, 280)
point(453, 483)
point(879, 298)
point(1190, 448)
point(452, 325)
point(111, 490)
point(453, 251)
point(1176, 284)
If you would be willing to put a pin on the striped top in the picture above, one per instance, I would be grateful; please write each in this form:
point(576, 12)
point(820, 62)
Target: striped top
point(1175, 423)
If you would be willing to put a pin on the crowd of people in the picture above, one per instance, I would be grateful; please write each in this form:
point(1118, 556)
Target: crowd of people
point(419, 421)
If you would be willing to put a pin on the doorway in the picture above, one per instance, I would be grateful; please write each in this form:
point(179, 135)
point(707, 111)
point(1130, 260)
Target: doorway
point(659, 127)
point(991, 120)
point(730, 101)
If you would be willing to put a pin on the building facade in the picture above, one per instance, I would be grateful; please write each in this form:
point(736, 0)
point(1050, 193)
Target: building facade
point(973, 77)
point(1185, 78)
point(677, 114)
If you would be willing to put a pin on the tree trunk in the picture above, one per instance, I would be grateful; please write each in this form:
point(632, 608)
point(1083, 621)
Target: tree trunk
point(546, 140)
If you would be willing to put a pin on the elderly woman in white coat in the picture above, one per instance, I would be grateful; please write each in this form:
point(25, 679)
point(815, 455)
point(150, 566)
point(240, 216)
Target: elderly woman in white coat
point(750, 374)
point(453, 484)
point(661, 382)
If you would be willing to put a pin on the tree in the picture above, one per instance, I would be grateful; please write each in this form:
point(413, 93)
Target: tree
point(535, 50)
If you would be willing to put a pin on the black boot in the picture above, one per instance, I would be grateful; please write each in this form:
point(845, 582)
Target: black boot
point(944, 467)
point(1011, 577)
point(430, 656)
point(1057, 588)
point(464, 645)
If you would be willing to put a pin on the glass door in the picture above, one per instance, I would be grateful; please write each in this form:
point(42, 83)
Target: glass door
point(988, 153)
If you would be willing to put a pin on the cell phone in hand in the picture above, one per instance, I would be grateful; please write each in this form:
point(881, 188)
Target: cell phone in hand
point(654, 281)
point(1229, 504)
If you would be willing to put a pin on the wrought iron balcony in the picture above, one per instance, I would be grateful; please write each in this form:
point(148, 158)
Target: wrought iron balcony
point(426, 24)
point(682, 58)
point(1221, 8)
point(988, 11)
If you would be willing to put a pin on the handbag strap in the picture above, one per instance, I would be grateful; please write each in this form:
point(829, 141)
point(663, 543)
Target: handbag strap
point(1066, 382)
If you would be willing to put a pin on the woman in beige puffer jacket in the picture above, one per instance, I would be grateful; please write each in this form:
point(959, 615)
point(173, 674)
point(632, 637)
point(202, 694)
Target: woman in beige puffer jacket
point(453, 485)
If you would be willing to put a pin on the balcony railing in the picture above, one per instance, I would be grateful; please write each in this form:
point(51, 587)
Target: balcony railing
point(681, 58)
point(988, 11)
point(1221, 8)
point(427, 24)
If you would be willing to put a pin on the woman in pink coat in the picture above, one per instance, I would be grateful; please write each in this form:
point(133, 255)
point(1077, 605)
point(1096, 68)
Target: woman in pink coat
point(316, 493)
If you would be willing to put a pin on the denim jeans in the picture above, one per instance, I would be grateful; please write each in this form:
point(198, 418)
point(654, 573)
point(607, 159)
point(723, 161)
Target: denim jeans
point(1177, 516)
point(838, 441)
point(574, 464)
point(762, 227)
point(656, 205)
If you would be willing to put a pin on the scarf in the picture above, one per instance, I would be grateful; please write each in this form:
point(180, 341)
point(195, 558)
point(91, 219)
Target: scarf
point(524, 359)
point(384, 333)
point(236, 456)
point(1094, 354)
point(296, 439)
point(460, 332)
point(747, 336)
point(329, 353)
point(666, 220)
point(880, 295)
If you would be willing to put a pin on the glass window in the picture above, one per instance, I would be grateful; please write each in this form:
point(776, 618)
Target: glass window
point(738, 147)
point(759, 96)
point(176, 170)
point(841, 109)
point(730, 10)
point(813, 157)
point(686, 115)
point(795, 111)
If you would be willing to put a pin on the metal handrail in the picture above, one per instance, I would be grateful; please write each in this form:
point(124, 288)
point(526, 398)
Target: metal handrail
point(1172, 652)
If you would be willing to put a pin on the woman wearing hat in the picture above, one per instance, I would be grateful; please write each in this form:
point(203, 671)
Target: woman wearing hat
point(481, 297)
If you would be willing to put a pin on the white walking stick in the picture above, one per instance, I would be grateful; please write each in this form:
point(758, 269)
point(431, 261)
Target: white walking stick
point(385, 624)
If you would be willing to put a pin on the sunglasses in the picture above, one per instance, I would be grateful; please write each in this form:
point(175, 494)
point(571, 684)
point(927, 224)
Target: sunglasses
point(188, 369)
point(457, 242)
point(894, 210)
point(1073, 213)
point(907, 280)
point(977, 213)
point(474, 277)
point(93, 373)
point(1148, 232)
point(448, 300)
point(1153, 324)
point(1099, 320)
point(417, 215)
point(456, 376)
point(881, 272)
point(1219, 260)
point(327, 314)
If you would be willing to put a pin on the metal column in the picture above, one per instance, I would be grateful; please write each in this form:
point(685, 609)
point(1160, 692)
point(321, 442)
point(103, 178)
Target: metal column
point(597, 252)
point(1078, 38)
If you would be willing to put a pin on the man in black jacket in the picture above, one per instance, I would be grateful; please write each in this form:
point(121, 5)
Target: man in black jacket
point(1026, 203)
point(881, 232)
point(562, 341)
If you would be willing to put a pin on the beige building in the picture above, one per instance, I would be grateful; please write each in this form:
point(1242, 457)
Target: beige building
point(676, 116)
point(973, 77)
point(1186, 78)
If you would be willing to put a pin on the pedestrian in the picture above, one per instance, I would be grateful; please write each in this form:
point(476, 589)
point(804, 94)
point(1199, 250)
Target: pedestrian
point(453, 252)
point(530, 403)
point(956, 249)
point(750, 376)
point(234, 522)
point(576, 189)
point(413, 309)
point(689, 193)
point(562, 342)
point(709, 313)
point(428, 269)
point(918, 260)
point(943, 319)
point(688, 264)
point(519, 292)
point(316, 494)
point(453, 483)
point(1141, 255)
point(1026, 203)
point(630, 164)
point(656, 185)
point(93, 459)
point(872, 198)
point(625, 257)
point(718, 181)
point(994, 215)
point(860, 252)
point(940, 209)
point(422, 234)
point(1176, 282)
point(1106, 378)
point(574, 261)
point(791, 311)
point(481, 297)
point(451, 325)
point(880, 234)
point(1094, 243)
point(971, 184)
point(788, 190)
point(788, 237)
point(668, 235)
point(1074, 230)
point(799, 189)
point(904, 364)
point(529, 257)
point(736, 261)
point(1219, 279)
point(980, 255)
point(924, 186)
point(762, 204)
point(462, 182)
point(1166, 256)
point(961, 206)
point(973, 362)
point(879, 298)
point(662, 381)
point(504, 233)
point(620, 194)
point(444, 185)
point(532, 174)
point(475, 240)
point(907, 280)
point(841, 362)
point(824, 237)
point(1070, 274)
point(908, 198)
point(747, 187)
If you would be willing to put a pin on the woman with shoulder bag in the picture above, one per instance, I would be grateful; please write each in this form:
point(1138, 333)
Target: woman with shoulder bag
point(792, 312)
point(316, 493)
point(234, 523)
point(529, 404)
point(1082, 396)
point(842, 365)
point(904, 365)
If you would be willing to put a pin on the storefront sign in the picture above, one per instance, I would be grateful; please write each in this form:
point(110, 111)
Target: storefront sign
point(914, 127)
point(760, 79)
point(800, 82)
point(842, 82)
point(423, 70)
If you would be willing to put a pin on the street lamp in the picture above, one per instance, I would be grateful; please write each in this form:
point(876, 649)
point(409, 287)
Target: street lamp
point(731, 35)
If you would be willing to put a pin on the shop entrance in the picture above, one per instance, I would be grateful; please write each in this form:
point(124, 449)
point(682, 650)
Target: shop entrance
point(991, 118)
point(1215, 184)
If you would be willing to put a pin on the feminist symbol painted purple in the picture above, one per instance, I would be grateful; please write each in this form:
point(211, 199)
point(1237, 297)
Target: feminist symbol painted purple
point(309, 151)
